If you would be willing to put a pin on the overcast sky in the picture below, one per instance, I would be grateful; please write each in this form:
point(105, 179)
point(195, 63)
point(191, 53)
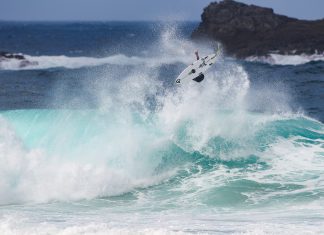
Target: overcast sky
point(129, 10)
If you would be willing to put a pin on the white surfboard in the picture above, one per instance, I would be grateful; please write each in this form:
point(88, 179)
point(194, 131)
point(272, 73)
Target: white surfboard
point(196, 70)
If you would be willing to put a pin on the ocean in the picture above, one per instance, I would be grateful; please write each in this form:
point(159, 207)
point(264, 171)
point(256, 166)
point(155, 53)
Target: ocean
point(96, 138)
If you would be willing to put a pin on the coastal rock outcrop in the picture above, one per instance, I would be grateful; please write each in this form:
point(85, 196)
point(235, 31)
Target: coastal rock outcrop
point(22, 61)
point(6, 55)
point(249, 30)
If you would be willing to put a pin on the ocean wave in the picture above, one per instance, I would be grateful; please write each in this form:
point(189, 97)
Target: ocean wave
point(255, 222)
point(56, 159)
point(185, 146)
point(47, 62)
point(168, 49)
point(62, 61)
point(200, 142)
point(277, 59)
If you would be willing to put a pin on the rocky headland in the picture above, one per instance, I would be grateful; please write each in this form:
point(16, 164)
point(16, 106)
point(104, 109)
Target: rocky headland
point(249, 30)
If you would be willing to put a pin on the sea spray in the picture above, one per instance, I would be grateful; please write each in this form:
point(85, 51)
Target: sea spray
point(126, 151)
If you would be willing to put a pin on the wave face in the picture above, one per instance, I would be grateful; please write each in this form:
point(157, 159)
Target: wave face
point(72, 155)
point(227, 155)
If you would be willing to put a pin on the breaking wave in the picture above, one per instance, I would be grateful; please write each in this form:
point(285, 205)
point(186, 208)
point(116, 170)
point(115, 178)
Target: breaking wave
point(201, 139)
point(47, 62)
point(220, 156)
point(62, 61)
point(277, 59)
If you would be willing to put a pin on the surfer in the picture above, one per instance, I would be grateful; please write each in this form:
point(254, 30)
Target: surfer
point(197, 55)
point(196, 71)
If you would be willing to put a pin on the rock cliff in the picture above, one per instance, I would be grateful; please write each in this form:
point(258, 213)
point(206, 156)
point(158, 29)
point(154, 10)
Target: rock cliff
point(249, 30)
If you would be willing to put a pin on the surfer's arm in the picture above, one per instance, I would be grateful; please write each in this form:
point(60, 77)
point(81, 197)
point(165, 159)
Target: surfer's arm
point(197, 55)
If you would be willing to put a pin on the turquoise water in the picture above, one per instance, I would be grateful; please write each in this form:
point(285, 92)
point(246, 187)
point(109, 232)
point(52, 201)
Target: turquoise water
point(111, 146)
point(132, 177)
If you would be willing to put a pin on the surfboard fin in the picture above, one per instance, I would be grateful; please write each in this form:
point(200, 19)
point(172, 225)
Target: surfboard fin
point(199, 78)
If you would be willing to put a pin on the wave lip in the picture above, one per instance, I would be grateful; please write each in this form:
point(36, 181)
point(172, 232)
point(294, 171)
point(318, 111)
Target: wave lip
point(278, 59)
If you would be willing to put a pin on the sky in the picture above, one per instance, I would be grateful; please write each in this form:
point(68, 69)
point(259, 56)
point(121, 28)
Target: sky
point(137, 10)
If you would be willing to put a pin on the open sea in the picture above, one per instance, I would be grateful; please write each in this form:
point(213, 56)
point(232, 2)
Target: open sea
point(97, 139)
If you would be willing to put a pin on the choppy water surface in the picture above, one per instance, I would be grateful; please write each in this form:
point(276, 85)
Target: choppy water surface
point(95, 137)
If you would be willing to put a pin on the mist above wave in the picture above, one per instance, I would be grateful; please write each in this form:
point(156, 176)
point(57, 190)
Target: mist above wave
point(146, 132)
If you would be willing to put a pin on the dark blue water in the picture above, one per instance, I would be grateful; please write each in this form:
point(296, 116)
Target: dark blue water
point(96, 138)
point(83, 38)
point(303, 83)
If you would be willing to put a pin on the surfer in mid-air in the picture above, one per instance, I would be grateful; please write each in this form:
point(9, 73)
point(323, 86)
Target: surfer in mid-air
point(197, 69)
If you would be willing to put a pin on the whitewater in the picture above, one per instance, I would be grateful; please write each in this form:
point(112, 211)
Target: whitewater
point(225, 156)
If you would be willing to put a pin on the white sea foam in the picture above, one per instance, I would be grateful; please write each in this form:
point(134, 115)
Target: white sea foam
point(119, 153)
point(58, 156)
point(278, 59)
point(200, 111)
point(172, 53)
point(107, 164)
point(13, 225)
point(239, 222)
point(103, 229)
point(46, 62)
